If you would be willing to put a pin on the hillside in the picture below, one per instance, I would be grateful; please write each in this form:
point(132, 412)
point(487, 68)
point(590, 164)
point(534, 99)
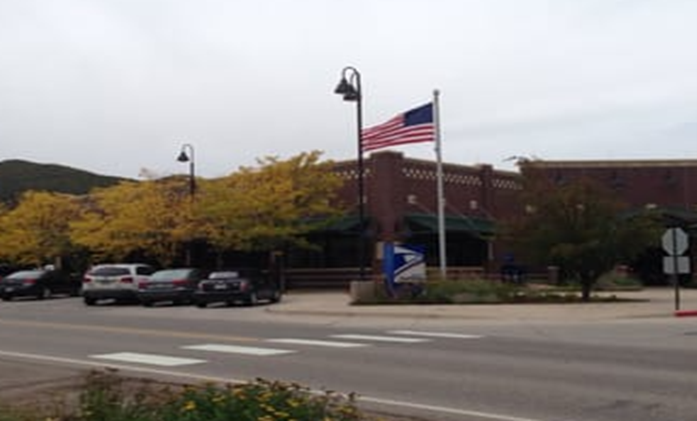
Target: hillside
point(17, 176)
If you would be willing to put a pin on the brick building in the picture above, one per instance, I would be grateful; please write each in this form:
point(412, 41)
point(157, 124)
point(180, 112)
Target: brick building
point(400, 197)
point(401, 205)
point(667, 186)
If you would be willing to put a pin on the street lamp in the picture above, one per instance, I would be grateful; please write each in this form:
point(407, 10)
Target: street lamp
point(184, 157)
point(350, 88)
point(189, 157)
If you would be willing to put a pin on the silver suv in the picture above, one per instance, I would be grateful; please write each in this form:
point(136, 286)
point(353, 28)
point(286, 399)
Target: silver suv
point(118, 281)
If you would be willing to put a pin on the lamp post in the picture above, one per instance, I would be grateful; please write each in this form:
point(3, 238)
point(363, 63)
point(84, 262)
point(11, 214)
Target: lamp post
point(189, 157)
point(184, 157)
point(350, 88)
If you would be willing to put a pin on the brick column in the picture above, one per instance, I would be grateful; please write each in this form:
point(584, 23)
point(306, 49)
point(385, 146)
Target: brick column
point(386, 193)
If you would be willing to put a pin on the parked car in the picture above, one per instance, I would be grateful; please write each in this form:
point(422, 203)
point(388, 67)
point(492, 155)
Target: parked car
point(38, 283)
point(114, 281)
point(173, 285)
point(236, 286)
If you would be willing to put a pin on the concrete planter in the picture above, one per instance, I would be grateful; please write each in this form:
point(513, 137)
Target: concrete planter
point(362, 291)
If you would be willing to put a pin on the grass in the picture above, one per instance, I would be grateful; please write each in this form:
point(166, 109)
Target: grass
point(105, 396)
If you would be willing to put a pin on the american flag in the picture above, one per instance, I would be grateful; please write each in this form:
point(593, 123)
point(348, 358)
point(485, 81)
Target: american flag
point(413, 126)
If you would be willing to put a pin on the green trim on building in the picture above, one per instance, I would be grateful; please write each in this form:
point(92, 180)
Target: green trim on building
point(429, 224)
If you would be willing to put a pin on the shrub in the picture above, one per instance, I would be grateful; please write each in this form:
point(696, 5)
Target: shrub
point(109, 397)
point(472, 291)
point(610, 282)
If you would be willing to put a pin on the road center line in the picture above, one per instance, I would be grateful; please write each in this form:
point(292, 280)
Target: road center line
point(312, 342)
point(434, 334)
point(379, 338)
point(232, 349)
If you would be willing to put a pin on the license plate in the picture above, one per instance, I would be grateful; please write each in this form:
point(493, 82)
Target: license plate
point(219, 286)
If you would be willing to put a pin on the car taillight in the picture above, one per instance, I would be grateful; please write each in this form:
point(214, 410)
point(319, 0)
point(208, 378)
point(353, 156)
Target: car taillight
point(126, 280)
point(180, 282)
point(86, 280)
point(29, 281)
point(244, 286)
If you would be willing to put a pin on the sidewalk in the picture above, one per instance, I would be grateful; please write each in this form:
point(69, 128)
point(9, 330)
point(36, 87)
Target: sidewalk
point(650, 303)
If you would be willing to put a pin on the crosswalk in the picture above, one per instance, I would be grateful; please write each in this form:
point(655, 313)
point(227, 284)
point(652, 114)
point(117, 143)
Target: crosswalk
point(285, 346)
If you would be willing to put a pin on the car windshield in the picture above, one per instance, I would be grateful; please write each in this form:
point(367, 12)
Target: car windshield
point(109, 271)
point(26, 274)
point(168, 274)
point(223, 275)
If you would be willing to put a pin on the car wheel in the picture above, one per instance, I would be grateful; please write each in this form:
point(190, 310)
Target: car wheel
point(44, 293)
point(201, 304)
point(147, 303)
point(89, 301)
point(7, 298)
point(253, 299)
point(276, 297)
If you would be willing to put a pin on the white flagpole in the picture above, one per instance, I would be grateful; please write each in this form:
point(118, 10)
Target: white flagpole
point(441, 197)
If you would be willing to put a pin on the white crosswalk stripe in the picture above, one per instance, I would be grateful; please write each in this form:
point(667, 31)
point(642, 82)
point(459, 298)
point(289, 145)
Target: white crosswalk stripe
point(434, 334)
point(151, 359)
point(330, 344)
point(380, 338)
point(347, 340)
point(235, 349)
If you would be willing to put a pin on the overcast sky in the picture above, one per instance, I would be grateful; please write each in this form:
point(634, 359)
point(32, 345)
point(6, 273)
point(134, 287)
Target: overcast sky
point(116, 86)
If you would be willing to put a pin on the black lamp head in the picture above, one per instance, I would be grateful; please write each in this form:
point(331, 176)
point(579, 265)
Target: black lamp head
point(183, 157)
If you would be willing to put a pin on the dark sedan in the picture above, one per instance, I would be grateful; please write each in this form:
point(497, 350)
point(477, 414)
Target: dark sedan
point(38, 283)
point(236, 286)
point(170, 285)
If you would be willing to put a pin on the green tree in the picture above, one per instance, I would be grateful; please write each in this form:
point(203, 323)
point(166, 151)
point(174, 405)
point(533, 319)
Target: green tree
point(581, 228)
point(151, 217)
point(36, 231)
point(270, 206)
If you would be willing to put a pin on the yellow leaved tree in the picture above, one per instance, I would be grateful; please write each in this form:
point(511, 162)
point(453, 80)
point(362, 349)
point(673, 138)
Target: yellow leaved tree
point(152, 218)
point(36, 230)
point(270, 206)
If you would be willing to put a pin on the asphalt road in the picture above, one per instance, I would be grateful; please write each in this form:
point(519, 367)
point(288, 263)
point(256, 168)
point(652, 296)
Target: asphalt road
point(629, 369)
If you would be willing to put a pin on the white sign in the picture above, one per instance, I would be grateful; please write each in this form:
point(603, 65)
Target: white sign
point(674, 265)
point(675, 241)
point(404, 264)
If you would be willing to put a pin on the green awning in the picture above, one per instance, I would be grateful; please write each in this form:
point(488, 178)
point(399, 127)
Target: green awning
point(424, 223)
point(345, 223)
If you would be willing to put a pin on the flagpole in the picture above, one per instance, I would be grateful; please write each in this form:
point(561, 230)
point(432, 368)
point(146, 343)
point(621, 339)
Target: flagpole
point(441, 196)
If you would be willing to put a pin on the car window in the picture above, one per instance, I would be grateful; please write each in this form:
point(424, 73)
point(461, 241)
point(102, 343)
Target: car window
point(144, 270)
point(223, 275)
point(109, 271)
point(26, 274)
point(170, 274)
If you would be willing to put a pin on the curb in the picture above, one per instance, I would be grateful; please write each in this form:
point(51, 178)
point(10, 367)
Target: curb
point(685, 313)
point(472, 316)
